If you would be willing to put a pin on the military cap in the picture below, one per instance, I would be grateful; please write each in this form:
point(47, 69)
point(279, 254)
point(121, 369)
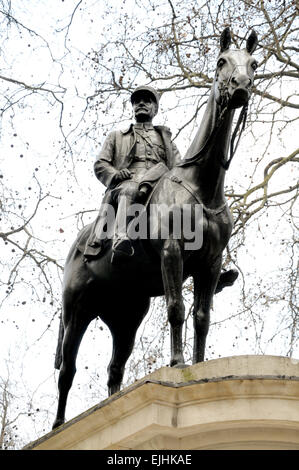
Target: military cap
point(148, 89)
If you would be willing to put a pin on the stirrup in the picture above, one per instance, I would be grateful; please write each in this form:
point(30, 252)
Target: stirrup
point(121, 251)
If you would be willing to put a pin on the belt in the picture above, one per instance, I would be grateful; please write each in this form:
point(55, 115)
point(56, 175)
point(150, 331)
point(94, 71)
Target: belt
point(143, 164)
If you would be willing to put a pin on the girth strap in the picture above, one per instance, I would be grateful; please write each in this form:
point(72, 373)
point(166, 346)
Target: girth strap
point(186, 185)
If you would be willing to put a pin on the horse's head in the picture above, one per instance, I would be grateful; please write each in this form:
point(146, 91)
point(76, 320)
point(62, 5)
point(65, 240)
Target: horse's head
point(235, 72)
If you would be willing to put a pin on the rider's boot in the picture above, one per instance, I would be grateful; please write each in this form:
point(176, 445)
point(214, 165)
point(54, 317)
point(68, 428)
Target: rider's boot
point(122, 247)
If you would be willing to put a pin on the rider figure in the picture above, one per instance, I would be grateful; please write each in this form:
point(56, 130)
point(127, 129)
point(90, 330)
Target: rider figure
point(131, 162)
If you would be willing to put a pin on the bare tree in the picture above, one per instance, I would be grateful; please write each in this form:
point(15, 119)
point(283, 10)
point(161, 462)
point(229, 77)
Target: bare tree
point(10, 414)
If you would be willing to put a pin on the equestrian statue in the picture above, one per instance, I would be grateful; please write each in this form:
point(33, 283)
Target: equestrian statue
point(113, 275)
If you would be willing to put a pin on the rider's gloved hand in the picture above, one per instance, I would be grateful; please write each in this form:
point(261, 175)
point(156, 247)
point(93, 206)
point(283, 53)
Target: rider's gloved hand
point(122, 175)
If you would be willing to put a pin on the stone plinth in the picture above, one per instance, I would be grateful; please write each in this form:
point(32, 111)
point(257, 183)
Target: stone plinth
point(242, 402)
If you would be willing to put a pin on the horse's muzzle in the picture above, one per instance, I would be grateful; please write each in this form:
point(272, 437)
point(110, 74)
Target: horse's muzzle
point(239, 98)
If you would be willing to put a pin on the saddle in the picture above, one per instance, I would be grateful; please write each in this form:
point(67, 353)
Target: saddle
point(90, 245)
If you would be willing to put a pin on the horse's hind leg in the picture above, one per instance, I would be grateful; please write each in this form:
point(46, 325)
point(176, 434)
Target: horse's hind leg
point(74, 329)
point(123, 335)
point(172, 273)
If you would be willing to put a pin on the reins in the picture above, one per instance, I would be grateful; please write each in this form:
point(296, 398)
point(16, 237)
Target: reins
point(241, 121)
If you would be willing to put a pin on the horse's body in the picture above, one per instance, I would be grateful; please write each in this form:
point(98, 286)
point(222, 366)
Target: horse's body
point(121, 295)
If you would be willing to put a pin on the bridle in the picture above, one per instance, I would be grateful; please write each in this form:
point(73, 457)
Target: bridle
point(240, 126)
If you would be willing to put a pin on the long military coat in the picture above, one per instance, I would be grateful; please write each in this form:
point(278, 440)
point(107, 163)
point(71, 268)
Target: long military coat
point(118, 153)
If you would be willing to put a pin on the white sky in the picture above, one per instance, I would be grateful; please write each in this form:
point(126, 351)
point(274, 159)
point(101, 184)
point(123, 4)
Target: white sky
point(38, 141)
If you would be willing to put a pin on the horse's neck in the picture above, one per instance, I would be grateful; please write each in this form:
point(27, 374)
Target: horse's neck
point(207, 175)
point(205, 129)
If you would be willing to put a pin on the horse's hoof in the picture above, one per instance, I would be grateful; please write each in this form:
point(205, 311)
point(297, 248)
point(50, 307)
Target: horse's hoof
point(57, 423)
point(112, 390)
point(226, 279)
point(180, 365)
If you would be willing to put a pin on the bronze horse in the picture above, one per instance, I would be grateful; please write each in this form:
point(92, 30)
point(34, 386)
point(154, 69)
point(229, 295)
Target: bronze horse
point(119, 295)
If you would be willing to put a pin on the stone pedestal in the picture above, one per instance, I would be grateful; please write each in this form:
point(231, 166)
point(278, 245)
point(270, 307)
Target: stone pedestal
point(242, 402)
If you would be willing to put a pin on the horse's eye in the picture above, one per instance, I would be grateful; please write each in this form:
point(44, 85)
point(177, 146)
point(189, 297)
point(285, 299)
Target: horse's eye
point(220, 63)
point(254, 65)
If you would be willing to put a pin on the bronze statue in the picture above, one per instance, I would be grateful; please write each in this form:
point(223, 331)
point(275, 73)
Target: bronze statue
point(120, 292)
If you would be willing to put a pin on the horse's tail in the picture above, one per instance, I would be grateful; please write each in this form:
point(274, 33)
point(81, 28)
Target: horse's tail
point(58, 355)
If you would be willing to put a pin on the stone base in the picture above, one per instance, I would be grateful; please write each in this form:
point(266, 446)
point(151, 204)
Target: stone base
point(242, 402)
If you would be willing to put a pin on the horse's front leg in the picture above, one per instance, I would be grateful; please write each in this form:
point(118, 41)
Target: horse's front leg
point(172, 274)
point(204, 287)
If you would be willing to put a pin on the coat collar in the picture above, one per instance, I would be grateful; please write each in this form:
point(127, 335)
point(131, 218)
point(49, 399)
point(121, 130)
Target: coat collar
point(160, 129)
point(140, 126)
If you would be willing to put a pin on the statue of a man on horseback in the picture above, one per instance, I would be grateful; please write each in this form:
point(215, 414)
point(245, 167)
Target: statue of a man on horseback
point(129, 165)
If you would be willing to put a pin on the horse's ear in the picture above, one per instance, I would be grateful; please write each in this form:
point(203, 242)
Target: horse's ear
point(225, 39)
point(251, 42)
